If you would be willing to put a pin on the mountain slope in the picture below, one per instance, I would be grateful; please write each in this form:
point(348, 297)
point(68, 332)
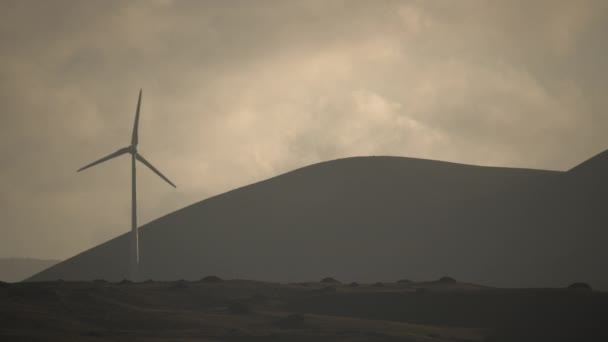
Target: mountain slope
point(370, 219)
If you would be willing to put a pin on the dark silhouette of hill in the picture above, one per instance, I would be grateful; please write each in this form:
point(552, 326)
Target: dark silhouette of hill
point(379, 219)
point(18, 269)
point(595, 166)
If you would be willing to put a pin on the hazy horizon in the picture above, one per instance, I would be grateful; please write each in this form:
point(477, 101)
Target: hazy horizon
point(237, 92)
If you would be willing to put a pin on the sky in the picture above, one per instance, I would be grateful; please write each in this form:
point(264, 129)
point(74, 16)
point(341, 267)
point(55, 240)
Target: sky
point(235, 92)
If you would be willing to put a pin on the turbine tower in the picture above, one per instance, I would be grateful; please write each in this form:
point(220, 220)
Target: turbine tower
point(135, 155)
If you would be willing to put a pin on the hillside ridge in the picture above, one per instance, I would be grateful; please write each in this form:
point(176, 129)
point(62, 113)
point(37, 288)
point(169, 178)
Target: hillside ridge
point(367, 219)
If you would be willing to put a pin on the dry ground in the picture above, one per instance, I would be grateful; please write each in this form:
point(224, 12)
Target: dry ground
point(239, 310)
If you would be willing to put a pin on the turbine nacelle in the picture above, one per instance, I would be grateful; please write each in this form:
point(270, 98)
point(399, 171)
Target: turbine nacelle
point(132, 149)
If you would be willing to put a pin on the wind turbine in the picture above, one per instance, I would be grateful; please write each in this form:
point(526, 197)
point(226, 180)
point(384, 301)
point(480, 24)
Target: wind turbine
point(132, 149)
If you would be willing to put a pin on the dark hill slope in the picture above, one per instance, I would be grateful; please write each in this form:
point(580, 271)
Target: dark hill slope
point(369, 219)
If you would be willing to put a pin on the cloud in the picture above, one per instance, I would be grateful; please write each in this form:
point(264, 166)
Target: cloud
point(235, 92)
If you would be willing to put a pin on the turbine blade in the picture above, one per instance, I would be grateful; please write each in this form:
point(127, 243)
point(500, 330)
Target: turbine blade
point(135, 136)
point(145, 162)
point(108, 157)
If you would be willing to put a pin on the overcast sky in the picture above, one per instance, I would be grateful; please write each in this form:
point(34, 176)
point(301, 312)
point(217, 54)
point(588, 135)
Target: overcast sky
point(239, 91)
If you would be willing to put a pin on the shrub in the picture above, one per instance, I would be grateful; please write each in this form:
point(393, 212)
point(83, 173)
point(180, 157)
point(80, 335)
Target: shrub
point(378, 284)
point(580, 286)
point(330, 280)
point(211, 279)
point(446, 280)
point(353, 284)
point(404, 281)
point(99, 281)
point(125, 282)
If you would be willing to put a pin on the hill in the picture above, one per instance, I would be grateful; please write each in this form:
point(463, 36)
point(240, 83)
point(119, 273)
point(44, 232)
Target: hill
point(379, 219)
point(18, 269)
